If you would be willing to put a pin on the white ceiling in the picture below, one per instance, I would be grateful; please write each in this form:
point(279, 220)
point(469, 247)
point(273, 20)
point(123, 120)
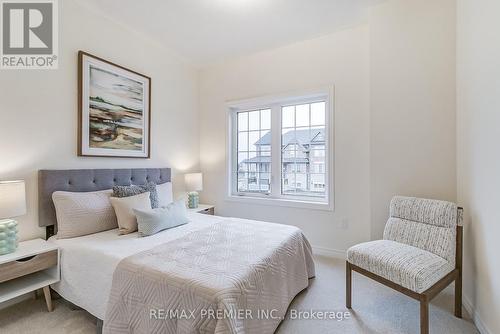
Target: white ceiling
point(207, 31)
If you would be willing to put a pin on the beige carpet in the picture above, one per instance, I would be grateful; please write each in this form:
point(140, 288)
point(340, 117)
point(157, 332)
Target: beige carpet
point(376, 309)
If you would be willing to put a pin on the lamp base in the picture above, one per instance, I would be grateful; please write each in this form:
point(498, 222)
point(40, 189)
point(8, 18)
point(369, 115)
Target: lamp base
point(8, 236)
point(193, 200)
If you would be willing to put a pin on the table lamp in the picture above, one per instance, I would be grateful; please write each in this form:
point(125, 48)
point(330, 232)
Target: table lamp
point(194, 183)
point(12, 204)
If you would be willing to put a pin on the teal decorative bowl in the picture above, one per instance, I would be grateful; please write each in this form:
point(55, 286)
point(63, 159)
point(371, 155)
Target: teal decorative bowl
point(8, 236)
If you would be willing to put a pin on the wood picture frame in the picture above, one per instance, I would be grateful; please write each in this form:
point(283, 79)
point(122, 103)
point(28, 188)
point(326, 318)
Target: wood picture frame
point(114, 110)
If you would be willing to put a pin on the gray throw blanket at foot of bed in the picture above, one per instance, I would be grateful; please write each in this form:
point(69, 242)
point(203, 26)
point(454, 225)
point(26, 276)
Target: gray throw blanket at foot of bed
point(235, 276)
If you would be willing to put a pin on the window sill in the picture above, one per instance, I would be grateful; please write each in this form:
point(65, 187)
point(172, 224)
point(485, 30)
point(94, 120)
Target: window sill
point(281, 202)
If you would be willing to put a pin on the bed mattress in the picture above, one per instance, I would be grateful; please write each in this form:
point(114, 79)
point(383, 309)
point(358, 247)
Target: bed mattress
point(212, 263)
point(88, 262)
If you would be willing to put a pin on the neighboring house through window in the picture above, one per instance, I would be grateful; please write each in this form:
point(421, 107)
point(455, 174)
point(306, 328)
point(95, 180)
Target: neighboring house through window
point(279, 149)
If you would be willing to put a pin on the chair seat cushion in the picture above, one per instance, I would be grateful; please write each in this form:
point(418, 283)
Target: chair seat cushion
point(408, 266)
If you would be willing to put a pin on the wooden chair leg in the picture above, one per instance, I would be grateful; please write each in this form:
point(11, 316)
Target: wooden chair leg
point(99, 324)
point(48, 298)
point(348, 284)
point(458, 295)
point(424, 316)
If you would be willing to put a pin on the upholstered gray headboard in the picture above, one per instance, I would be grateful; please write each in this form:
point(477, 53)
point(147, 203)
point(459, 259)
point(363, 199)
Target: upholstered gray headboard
point(81, 180)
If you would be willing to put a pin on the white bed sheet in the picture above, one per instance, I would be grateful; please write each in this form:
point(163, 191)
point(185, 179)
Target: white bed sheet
point(88, 262)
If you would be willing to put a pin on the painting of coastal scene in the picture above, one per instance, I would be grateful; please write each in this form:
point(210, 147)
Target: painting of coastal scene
point(115, 110)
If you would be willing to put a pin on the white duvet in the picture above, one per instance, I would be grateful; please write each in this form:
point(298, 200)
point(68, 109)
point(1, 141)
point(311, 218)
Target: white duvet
point(88, 262)
point(236, 276)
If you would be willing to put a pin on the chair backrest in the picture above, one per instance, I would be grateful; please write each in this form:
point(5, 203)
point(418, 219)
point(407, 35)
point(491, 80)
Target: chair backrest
point(424, 223)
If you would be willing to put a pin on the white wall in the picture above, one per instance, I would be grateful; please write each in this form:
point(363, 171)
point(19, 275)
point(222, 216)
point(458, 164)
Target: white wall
point(38, 109)
point(394, 121)
point(478, 134)
point(394, 81)
point(412, 103)
point(394, 124)
point(341, 59)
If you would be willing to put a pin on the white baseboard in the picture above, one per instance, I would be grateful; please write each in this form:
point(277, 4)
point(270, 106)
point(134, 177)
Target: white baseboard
point(481, 326)
point(329, 252)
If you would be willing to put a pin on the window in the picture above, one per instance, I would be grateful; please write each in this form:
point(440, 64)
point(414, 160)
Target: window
point(280, 150)
point(254, 151)
point(303, 142)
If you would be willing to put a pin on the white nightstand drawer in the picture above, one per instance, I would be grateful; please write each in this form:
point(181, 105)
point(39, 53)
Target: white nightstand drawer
point(21, 267)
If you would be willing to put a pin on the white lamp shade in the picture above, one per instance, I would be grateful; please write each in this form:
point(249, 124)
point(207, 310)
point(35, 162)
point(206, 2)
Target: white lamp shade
point(12, 199)
point(194, 181)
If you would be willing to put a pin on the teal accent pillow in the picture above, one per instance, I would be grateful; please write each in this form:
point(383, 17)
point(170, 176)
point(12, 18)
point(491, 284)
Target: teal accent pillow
point(152, 221)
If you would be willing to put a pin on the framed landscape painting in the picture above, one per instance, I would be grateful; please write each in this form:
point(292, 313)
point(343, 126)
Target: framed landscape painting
point(114, 109)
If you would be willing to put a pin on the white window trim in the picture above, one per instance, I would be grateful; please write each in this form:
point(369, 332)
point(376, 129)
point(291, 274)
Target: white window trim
point(270, 102)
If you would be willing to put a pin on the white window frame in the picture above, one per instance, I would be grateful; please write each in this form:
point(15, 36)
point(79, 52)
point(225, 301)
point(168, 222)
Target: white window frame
point(274, 103)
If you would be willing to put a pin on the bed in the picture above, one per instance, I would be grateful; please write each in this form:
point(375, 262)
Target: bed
point(212, 275)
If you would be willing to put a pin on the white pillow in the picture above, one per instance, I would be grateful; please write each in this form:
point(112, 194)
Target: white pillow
point(165, 196)
point(124, 209)
point(82, 213)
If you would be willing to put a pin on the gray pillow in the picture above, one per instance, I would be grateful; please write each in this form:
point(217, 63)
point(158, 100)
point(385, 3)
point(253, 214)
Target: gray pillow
point(152, 221)
point(127, 191)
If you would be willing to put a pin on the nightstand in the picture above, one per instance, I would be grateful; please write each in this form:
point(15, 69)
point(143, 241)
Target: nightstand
point(204, 208)
point(34, 265)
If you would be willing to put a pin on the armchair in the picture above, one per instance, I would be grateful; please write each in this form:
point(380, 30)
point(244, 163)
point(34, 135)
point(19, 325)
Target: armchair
point(419, 256)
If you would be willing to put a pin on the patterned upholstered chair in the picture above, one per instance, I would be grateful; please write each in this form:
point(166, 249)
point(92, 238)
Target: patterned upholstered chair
point(420, 254)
